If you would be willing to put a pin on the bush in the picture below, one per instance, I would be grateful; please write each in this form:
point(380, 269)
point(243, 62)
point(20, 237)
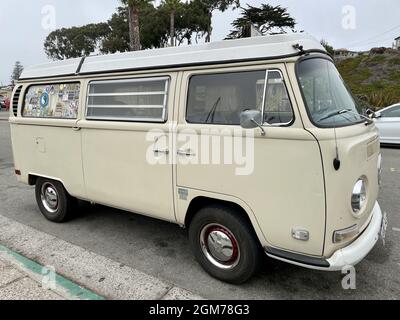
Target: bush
point(379, 100)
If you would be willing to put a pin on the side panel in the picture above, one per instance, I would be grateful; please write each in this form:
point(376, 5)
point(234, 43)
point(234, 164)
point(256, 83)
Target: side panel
point(120, 165)
point(49, 148)
point(284, 185)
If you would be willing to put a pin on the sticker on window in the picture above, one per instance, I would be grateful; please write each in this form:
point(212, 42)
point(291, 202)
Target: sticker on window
point(59, 101)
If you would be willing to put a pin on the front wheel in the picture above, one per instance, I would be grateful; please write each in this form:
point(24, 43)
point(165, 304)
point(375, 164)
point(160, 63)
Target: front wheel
point(224, 244)
point(53, 200)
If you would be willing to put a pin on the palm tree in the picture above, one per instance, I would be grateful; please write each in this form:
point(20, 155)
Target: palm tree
point(172, 6)
point(134, 23)
point(220, 5)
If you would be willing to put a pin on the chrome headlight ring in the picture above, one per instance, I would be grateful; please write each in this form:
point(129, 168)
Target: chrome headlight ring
point(359, 196)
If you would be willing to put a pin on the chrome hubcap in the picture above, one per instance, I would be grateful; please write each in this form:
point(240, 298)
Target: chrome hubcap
point(49, 197)
point(220, 246)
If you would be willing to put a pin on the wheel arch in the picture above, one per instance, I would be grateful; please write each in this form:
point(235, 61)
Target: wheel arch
point(32, 179)
point(202, 201)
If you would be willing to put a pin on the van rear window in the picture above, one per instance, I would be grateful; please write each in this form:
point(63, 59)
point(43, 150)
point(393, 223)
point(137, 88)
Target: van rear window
point(59, 101)
point(141, 100)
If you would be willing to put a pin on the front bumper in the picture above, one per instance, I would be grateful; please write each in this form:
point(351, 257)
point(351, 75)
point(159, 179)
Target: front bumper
point(348, 256)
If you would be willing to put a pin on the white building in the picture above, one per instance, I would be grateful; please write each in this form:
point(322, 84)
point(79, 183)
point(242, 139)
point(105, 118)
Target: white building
point(397, 43)
point(341, 54)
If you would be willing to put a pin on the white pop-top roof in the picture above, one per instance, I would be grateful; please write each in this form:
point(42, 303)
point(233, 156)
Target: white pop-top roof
point(216, 52)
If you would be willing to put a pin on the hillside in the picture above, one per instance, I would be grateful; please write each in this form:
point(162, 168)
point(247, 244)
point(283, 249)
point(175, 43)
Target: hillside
point(375, 78)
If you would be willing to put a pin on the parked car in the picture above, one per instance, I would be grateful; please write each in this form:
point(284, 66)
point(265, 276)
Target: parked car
point(2, 102)
point(388, 122)
point(6, 104)
point(144, 131)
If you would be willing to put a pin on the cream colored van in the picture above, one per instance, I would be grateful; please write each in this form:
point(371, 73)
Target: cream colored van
point(298, 178)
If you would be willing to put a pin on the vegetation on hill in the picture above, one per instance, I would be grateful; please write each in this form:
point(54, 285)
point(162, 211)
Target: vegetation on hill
point(374, 78)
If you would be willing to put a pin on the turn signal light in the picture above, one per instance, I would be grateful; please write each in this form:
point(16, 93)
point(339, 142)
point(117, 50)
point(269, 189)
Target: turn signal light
point(345, 234)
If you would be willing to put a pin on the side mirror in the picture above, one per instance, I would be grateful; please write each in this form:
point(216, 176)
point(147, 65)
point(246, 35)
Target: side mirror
point(251, 119)
point(373, 115)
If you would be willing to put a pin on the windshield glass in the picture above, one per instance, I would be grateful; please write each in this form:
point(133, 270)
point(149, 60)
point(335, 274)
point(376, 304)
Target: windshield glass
point(329, 102)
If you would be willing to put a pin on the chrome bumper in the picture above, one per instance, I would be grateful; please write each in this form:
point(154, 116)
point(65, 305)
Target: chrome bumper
point(359, 249)
point(348, 256)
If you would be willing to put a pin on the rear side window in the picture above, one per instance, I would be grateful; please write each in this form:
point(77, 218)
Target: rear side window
point(221, 98)
point(141, 100)
point(58, 101)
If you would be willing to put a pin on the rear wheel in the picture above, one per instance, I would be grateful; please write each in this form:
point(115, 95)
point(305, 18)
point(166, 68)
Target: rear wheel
point(53, 200)
point(224, 244)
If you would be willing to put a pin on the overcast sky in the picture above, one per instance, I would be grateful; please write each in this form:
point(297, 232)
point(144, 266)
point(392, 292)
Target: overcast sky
point(354, 24)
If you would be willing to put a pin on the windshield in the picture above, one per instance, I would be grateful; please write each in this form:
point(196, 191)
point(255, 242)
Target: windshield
point(329, 102)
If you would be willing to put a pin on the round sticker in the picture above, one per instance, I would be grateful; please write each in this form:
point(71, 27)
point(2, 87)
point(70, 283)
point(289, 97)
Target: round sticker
point(44, 100)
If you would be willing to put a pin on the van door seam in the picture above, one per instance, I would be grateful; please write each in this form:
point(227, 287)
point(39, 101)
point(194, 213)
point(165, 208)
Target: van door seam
point(322, 159)
point(324, 180)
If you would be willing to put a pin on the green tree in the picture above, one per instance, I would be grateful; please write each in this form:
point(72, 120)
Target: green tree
point(221, 5)
point(117, 39)
point(134, 8)
point(173, 7)
point(328, 47)
point(17, 71)
point(75, 42)
point(193, 22)
point(153, 30)
point(267, 19)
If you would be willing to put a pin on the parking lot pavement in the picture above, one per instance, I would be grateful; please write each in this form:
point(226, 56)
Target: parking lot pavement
point(4, 115)
point(161, 250)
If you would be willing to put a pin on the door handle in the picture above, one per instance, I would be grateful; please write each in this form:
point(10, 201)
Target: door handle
point(164, 151)
point(186, 153)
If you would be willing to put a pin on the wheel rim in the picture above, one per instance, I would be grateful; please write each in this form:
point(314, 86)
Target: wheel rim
point(49, 197)
point(220, 246)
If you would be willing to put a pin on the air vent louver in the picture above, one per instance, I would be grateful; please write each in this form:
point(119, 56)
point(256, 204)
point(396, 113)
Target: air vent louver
point(15, 100)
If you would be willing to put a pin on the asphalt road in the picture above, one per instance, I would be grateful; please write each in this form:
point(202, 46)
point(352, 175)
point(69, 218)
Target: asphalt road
point(161, 249)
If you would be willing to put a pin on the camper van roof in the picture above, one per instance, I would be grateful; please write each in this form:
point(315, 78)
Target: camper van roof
point(248, 49)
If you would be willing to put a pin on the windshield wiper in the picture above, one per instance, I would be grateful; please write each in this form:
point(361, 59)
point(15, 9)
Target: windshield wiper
point(341, 112)
point(334, 113)
point(211, 114)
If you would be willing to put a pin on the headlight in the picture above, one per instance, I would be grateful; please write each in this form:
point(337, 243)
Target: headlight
point(359, 196)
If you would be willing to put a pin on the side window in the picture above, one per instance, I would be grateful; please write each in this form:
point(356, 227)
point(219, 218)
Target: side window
point(142, 100)
point(221, 98)
point(58, 101)
point(392, 113)
point(278, 109)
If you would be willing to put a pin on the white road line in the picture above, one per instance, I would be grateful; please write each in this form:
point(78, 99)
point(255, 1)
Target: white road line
point(396, 229)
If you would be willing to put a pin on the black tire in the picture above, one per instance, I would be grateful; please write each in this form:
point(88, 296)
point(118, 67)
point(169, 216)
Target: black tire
point(62, 211)
point(245, 263)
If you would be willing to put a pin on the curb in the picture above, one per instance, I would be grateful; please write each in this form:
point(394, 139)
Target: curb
point(63, 287)
point(101, 276)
